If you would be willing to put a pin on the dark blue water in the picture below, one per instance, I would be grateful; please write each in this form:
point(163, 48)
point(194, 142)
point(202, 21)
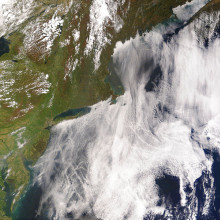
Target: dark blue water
point(169, 193)
point(4, 46)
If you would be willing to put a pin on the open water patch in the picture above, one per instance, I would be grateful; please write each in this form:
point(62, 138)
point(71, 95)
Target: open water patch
point(4, 46)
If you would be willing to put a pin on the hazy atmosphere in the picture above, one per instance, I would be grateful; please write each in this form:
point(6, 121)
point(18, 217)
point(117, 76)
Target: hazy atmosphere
point(109, 110)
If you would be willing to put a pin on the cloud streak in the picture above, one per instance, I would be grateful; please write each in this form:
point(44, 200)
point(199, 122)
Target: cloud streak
point(106, 163)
